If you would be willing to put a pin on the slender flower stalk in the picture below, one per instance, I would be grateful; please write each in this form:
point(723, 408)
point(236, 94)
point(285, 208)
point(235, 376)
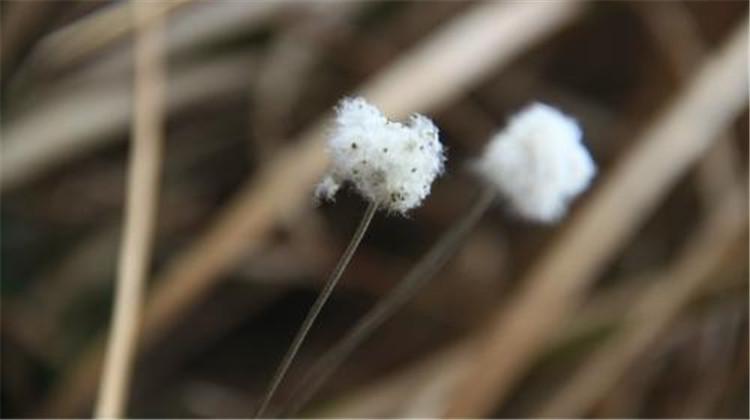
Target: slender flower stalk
point(408, 288)
point(537, 164)
point(391, 164)
point(317, 306)
point(144, 167)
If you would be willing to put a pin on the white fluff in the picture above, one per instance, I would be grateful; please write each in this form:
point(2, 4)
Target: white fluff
point(538, 163)
point(390, 163)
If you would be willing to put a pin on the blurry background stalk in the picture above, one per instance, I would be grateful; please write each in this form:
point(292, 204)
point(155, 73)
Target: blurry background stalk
point(144, 171)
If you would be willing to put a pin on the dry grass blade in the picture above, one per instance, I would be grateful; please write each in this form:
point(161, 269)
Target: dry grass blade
point(480, 40)
point(83, 38)
point(22, 23)
point(140, 215)
point(74, 121)
point(421, 390)
point(654, 309)
point(426, 78)
point(672, 25)
point(57, 132)
point(553, 287)
point(416, 391)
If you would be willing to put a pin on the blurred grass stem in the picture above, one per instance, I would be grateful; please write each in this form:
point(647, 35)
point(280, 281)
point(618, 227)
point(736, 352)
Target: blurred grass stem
point(281, 371)
point(140, 214)
point(654, 309)
point(411, 284)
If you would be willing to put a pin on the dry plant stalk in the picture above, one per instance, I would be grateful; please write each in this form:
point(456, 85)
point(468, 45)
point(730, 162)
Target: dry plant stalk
point(72, 122)
point(58, 131)
point(420, 390)
point(654, 309)
point(424, 78)
point(91, 34)
point(515, 334)
point(676, 33)
point(21, 23)
point(140, 214)
point(417, 391)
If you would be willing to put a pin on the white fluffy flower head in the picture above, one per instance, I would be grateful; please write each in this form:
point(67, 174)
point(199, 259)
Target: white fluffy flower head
point(390, 163)
point(538, 163)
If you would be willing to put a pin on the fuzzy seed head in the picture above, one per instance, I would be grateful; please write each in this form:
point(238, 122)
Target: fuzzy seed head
point(389, 163)
point(538, 163)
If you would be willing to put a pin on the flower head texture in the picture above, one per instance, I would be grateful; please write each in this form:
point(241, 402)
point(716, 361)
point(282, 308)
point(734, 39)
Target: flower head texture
point(538, 163)
point(389, 163)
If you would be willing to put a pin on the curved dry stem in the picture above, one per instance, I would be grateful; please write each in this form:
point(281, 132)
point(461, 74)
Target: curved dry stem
point(317, 307)
point(418, 277)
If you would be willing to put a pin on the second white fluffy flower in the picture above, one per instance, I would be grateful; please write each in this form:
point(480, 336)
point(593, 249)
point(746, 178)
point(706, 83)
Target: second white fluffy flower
point(390, 163)
point(538, 163)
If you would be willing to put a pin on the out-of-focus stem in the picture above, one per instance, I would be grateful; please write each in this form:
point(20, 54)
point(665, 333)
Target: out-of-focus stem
point(140, 214)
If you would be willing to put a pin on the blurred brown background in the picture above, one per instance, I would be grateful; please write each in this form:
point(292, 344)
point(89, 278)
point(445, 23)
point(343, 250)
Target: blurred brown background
point(245, 82)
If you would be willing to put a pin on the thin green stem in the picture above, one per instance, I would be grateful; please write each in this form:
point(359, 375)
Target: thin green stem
point(316, 308)
point(419, 275)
